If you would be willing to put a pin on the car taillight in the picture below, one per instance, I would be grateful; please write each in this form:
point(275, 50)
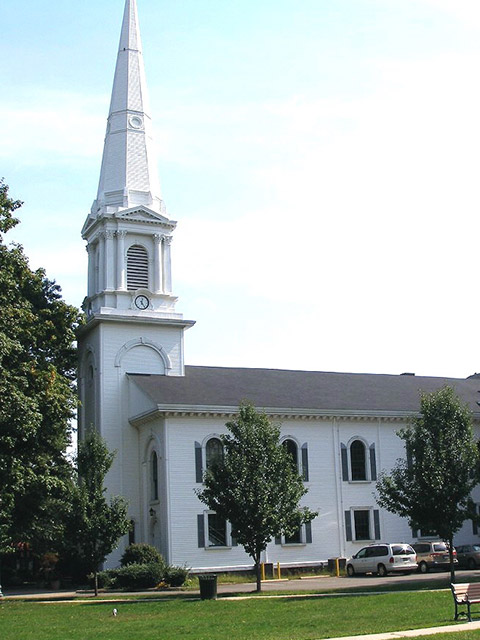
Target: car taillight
point(392, 559)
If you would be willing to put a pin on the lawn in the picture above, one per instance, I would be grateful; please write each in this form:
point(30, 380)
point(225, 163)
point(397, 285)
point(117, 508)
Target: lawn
point(297, 618)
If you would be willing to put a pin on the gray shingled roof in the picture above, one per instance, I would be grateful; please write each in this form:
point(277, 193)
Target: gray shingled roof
point(308, 390)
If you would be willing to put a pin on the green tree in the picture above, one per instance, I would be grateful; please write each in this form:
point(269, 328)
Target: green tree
point(254, 485)
point(37, 394)
point(96, 524)
point(432, 486)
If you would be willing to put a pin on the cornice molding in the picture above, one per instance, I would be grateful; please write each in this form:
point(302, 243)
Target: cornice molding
point(100, 318)
point(170, 411)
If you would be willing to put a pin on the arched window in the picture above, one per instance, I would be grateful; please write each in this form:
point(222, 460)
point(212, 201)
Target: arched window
point(154, 476)
point(213, 451)
point(137, 267)
point(292, 450)
point(358, 460)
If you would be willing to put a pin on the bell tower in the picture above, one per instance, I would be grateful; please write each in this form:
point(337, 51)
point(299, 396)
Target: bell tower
point(128, 232)
point(132, 325)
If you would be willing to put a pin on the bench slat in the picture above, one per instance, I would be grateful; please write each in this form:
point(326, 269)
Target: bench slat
point(464, 592)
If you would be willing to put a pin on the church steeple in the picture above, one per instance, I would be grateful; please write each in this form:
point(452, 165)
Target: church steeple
point(128, 175)
point(127, 231)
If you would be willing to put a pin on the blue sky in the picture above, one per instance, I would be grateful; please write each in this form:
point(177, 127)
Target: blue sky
point(320, 156)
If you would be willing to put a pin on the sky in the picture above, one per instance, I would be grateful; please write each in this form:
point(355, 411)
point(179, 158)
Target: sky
point(321, 158)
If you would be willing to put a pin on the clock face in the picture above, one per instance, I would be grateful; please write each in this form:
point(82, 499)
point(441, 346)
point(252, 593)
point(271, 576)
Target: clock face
point(142, 302)
point(136, 122)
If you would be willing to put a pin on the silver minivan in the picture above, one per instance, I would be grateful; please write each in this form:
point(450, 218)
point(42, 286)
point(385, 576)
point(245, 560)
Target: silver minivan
point(383, 559)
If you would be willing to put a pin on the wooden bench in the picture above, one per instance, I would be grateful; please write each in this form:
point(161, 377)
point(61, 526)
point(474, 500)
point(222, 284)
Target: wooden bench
point(464, 595)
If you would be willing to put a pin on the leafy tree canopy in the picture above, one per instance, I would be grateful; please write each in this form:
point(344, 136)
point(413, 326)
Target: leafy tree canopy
point(38, 399)
point(254, 485)
point(432, 486)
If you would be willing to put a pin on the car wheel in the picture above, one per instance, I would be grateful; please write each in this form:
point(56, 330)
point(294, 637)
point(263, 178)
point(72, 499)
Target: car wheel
point(423, 567)
point(350, 571)
point(381, 570)
point(471, 564)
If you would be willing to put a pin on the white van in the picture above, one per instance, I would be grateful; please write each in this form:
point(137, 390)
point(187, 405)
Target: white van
point(383, 559)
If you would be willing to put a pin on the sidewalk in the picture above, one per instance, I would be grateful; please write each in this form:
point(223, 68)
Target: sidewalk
point(414, 633)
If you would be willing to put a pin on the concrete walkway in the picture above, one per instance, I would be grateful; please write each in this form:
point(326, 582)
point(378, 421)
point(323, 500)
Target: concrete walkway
point(414, 633)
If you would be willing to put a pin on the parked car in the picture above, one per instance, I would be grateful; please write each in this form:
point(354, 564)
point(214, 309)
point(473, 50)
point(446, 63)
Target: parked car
point(433, 555)
point(383, 558)
point(468, 555)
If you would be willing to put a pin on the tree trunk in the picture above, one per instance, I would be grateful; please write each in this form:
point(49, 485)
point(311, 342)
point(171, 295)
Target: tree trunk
point(450, 554)
point(258, 573)
point(95, 582)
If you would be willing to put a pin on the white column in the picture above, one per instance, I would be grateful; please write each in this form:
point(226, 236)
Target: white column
point(91, 269)
point(109, 258)
point(167, 271)
point(157, 263)
point(121, 280)
point(101, 263)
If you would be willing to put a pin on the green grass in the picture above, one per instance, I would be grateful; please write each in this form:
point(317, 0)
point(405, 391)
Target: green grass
point(296, 618)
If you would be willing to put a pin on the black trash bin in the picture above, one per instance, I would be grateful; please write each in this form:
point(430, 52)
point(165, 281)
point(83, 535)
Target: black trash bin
point(208, 586)
point(332, 564)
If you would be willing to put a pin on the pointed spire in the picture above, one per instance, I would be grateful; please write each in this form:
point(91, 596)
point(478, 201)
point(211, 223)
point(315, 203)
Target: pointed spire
point(128, 176)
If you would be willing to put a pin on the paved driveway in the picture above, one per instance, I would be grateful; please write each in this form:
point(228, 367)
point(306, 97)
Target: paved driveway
point(345, 583)
point(306, 584)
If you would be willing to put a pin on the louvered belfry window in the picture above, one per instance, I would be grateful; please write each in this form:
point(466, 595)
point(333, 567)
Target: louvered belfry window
point(137, 267)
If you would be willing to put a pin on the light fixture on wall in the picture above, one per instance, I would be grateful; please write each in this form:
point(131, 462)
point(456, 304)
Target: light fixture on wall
point(152, 512)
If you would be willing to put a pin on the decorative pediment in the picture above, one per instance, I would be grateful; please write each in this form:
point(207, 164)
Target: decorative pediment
point(143, 214)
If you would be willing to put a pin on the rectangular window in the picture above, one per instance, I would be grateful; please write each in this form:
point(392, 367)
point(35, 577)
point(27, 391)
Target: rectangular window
point(217, 531)
point(362, 524)
point(361, 521)
point(296, 538)
point(303, 535)
point(213, 531)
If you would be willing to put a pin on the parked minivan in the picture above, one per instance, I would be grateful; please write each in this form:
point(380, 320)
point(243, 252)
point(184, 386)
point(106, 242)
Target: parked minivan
point(433, 555)
point(382, 559)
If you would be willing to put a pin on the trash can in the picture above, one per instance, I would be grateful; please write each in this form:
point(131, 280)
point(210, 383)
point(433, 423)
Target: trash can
point(208, 586)
point(332, 564)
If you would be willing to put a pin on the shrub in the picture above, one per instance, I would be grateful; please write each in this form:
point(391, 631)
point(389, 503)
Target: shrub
point(139, 576)
point(141, 554)
point(106, 579)
point(175, 576)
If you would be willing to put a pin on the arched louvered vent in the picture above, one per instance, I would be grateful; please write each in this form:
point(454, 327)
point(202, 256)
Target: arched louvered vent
point(137, 267)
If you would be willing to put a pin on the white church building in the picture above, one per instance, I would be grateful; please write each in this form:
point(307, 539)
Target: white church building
point(164, 418)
